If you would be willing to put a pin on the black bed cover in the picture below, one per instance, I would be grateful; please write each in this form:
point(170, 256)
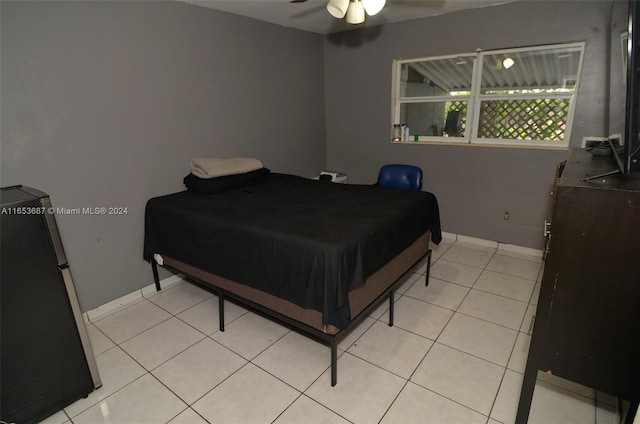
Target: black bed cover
point(303, 240)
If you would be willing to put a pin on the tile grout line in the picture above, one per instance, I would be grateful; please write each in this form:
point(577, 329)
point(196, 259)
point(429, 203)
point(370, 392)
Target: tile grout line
point(505, 368)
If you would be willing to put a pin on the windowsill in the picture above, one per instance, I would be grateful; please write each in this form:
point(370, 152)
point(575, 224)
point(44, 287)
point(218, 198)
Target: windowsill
point(466, 144)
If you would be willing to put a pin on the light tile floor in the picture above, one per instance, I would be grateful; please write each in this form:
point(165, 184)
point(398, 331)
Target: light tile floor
point(456, 354)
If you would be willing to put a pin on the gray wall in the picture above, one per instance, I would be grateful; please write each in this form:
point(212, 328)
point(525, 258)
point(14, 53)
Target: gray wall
point(104, 104)
point(474, 185)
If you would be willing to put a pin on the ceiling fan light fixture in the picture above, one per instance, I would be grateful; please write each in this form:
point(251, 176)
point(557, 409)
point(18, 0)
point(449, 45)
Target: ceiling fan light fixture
point(338, 8)
point(372, 7)
point(355, 12)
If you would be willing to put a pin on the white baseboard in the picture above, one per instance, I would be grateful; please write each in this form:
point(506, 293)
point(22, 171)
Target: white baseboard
point(165, 283)
point(124, 301)
point(529, 251)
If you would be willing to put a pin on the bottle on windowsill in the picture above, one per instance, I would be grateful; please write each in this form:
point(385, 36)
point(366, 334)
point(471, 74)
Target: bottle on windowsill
point(405, 132)
point(397, 133)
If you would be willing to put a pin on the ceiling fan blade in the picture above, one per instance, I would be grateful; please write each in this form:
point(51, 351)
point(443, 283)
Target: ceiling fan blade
point(297, 1)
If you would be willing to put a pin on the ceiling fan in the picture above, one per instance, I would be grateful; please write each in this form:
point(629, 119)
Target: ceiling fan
point(354, 10)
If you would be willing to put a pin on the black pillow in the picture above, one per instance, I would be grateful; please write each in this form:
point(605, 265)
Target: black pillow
point(224, 183)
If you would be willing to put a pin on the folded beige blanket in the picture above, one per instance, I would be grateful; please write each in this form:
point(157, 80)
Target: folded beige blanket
point(216, 167)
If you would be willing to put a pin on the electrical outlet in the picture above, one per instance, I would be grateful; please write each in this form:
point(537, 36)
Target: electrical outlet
point(506, 215)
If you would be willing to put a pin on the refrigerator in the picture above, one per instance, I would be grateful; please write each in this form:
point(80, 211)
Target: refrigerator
point(46, 360)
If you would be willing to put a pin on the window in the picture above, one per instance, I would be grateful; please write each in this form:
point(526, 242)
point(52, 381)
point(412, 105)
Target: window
point(515, 97)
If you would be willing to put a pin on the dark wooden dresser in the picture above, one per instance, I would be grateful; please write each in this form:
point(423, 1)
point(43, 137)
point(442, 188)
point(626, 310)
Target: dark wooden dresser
point(587, 326)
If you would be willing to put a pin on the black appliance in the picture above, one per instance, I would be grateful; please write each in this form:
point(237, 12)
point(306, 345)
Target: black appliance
point(47, 362)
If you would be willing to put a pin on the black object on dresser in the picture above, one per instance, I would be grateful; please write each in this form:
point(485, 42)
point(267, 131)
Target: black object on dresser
point(47, 361)
point(587, 325)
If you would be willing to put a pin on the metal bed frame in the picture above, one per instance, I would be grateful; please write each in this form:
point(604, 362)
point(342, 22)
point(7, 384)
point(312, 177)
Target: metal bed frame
point(331, 339)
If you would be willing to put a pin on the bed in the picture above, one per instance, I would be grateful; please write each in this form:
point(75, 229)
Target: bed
point(318, 256)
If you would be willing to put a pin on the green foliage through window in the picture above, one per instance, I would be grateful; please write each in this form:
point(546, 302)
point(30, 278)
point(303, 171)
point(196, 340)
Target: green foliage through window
point(530, 119)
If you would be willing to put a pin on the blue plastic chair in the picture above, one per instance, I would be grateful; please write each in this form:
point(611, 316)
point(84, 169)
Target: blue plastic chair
point(400, 176)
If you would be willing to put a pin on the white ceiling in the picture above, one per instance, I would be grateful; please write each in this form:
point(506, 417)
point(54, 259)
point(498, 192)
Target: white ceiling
point(312, 15)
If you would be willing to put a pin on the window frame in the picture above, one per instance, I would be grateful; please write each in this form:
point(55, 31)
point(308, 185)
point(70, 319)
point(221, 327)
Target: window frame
point(475, 99)
point(397, 101)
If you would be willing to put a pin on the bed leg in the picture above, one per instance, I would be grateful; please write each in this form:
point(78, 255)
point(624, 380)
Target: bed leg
point(391, 309)
point(334, 361)
point(156, 279)
point(221, 309)
point(426, 282)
